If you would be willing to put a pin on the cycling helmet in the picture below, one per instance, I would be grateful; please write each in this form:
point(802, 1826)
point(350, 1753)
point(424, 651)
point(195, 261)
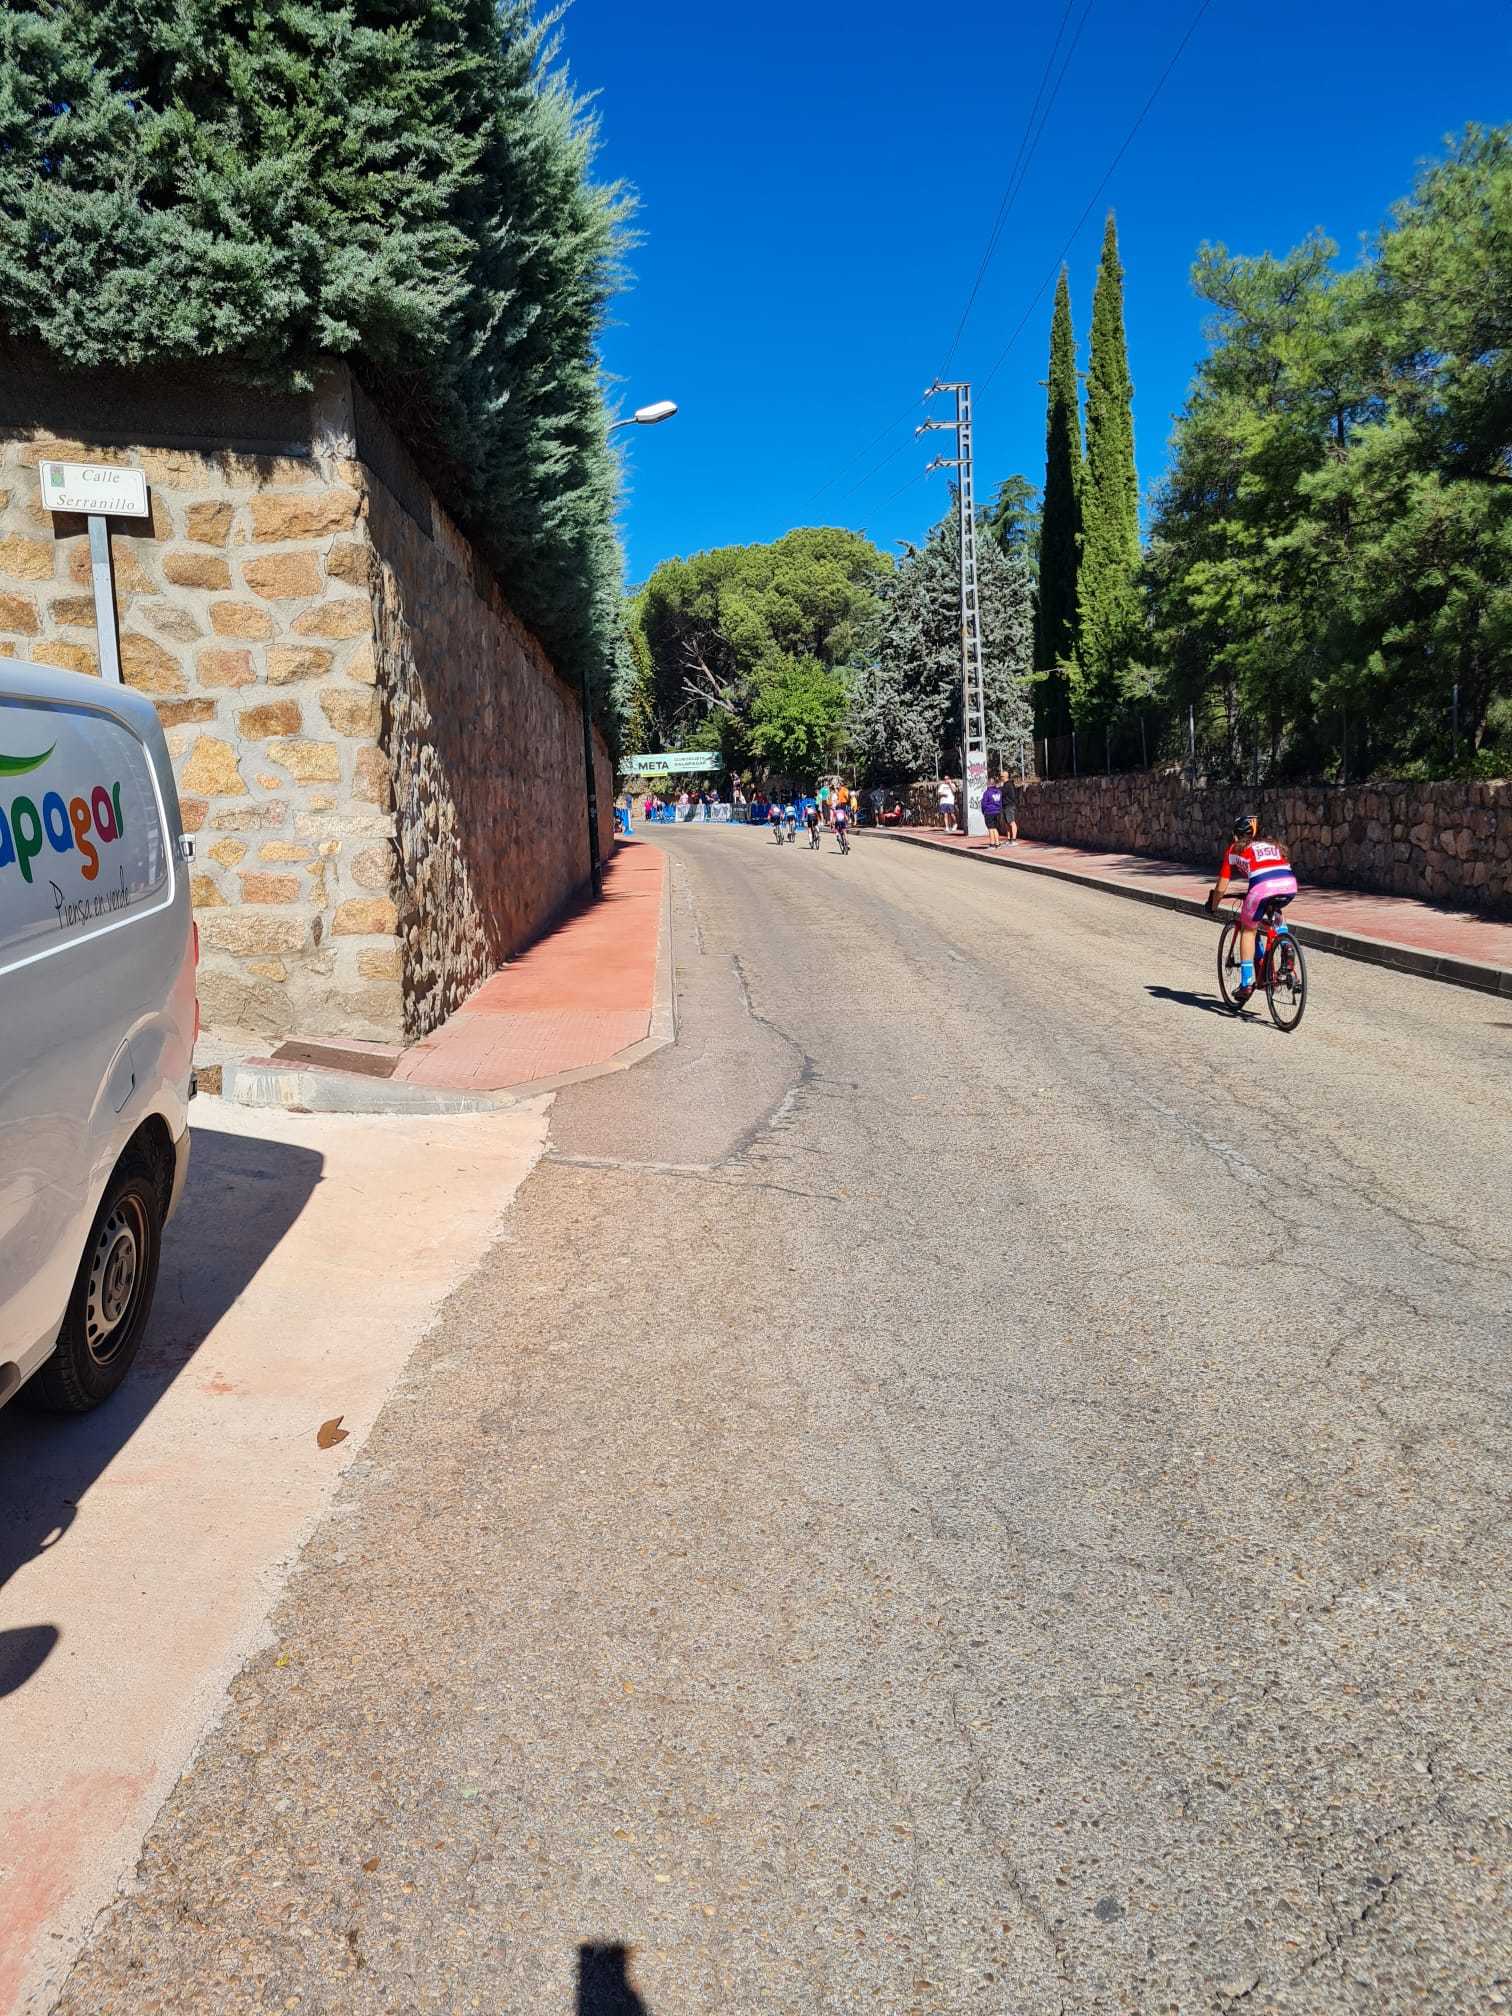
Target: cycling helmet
point(1245, 825)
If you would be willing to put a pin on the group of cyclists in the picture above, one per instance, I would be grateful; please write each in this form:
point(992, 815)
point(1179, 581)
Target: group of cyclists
point(831, 807)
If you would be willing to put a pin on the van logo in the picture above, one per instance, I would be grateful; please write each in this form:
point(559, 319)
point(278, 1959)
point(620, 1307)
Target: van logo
point(17, 766)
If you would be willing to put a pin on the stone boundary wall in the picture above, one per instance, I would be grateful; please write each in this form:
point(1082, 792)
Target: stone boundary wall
point(311, 645)
point(1447, 842)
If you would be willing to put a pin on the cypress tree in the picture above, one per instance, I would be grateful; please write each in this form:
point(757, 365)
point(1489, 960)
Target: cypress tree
point(1107, 590)
point(1060, 524)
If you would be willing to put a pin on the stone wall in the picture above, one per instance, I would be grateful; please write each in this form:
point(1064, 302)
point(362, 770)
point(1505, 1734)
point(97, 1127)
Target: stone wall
point(383, 773)
point(1448, 842)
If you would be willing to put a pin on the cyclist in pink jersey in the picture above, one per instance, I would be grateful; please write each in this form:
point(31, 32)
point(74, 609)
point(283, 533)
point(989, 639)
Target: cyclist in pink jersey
point(1261, 870)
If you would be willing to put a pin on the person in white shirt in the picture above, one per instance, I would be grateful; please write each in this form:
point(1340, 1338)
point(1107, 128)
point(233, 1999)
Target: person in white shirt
point(947, 805)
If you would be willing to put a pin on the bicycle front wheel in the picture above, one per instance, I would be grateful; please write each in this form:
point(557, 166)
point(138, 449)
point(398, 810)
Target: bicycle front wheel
point(1286, 982)
point(1228, 965)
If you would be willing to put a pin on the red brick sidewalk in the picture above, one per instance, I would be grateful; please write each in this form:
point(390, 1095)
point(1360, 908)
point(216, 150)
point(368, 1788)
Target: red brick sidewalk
point(576, 999)
point(1397, 931)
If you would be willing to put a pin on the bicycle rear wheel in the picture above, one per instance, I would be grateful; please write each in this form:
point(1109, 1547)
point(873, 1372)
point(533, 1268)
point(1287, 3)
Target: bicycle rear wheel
point(1285, 982)
point(1228, 965)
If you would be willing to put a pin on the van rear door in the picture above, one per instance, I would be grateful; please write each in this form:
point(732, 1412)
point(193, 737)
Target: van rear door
point(87, 883)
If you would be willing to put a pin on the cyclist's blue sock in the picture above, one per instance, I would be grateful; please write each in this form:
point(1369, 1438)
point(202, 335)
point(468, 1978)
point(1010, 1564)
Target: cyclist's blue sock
point(1246, 973)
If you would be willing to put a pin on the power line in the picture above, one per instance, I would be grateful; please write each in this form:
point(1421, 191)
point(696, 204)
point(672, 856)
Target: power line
point(1075, 233)
point(1028, 141)
point(1018, 174)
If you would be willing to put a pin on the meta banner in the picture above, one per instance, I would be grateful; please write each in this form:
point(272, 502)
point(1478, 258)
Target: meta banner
point(656, 763)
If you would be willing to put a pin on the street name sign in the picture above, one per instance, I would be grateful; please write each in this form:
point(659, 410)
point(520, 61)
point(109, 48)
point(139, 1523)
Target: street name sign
point(654, 763)
point(99, 491)
point(93, 488)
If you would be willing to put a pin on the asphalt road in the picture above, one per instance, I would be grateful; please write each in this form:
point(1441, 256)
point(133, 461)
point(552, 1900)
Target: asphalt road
point(973, 1482)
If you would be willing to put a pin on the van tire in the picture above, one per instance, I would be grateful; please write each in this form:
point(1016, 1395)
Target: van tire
point(112, 1294)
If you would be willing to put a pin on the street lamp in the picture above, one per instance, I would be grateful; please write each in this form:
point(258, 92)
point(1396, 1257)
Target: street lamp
point(643, 416)
point(647, 416)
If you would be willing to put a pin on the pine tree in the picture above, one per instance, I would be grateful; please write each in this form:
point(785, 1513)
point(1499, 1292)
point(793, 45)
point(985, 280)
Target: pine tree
point(1107, 583)
point(1060, 524)
point(906, 707)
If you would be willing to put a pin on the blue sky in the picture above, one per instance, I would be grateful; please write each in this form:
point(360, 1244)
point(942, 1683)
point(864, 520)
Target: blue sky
point(818, 182)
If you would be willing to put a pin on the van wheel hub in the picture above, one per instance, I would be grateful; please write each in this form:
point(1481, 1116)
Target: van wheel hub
point(112, 1277)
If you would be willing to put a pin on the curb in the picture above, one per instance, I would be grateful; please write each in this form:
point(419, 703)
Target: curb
point(1316, 937)
point(319, 1089)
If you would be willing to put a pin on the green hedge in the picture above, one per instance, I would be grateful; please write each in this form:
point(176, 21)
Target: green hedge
point(405, 186)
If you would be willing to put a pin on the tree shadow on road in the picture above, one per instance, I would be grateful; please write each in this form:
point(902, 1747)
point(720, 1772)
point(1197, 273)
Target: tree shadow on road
point(242, 1196)
point(604, 1987)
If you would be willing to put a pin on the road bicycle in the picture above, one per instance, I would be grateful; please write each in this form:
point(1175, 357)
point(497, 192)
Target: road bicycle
point(813, 833)
point(842, 834)
point(1280, 967)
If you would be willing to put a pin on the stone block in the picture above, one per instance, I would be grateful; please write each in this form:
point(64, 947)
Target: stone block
point(230, 1000)
point(229, 852)
point(365, 917)
point(266, 813)
point(208, 524)
point(383, 963)
point(225, 668)
point(268, 969)
point(284, 850)
point(306, 761)
point(27, 559)
point(373, 868)
point(282, 577)
point(351, 561)
point(373, 780)
point(196, 570)
point(235, 930)
point(204, 892)
point(240, 619)
point(351, 713)
point(192, 813)
point(267, 783)
point(178, 713)
point(170, 619)
point(68, 657)
point(316, 515)
point(347, 616)
point(270, 888)
point(71, 611)
point(277, 717)
point(288, 662)
point(18, 614)
point(211, 768)
point(361, 665)
point(148, 667)
point(132, 576)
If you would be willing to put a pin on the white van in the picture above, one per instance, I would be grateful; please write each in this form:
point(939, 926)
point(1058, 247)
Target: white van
point(97, 1026)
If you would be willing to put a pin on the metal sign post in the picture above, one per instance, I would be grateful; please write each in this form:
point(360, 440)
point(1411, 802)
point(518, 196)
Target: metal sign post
point(98, 492)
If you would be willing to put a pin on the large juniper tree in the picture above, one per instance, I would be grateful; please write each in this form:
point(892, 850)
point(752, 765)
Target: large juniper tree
point(1060, 524)
point(1107, 582)
point(404, 184)
point(906, 711)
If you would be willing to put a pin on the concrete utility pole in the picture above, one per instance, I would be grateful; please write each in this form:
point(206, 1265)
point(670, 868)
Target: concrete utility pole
point(973, 701)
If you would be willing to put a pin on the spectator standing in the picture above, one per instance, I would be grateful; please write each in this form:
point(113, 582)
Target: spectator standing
point(947, 805)
point(1010, 812)
point(992, 812)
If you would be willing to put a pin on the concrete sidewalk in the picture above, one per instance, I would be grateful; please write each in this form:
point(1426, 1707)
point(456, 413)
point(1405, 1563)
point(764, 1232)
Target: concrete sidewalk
point(593, 994)
point(1456, 946)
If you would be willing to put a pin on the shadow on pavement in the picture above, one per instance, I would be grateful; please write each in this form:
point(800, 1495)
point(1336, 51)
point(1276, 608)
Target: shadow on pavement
point(604, 1987)
point(241, 1197)
point(1183, 999)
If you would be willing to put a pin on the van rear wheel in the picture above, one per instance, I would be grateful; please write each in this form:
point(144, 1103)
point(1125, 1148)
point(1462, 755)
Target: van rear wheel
point(112, 1295)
